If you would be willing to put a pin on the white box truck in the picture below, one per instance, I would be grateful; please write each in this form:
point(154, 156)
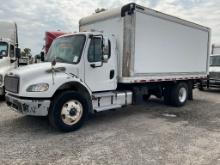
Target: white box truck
point(8, 50)
point(120, 57)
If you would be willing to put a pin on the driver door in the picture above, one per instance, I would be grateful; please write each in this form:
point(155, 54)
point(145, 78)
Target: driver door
point(99, 75)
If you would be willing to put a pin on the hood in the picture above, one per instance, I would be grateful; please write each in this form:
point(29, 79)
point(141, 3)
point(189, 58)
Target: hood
point(43, 73)
point(6, 65)
point(4, 62)
point(42, 68)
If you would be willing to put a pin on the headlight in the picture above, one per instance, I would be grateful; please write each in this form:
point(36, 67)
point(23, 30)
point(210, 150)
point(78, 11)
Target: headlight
point(1, 79)
point(42, 87)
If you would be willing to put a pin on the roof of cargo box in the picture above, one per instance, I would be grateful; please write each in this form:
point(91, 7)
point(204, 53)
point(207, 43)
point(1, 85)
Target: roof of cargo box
point(129, 9)
point(100, 16)
point(8, 32)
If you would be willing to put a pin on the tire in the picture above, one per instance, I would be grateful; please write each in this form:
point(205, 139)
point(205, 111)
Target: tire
point(179, 94)
point(68, 111)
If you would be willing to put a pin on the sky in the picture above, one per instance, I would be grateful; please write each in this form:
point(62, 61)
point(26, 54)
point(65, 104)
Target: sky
point(35, 17)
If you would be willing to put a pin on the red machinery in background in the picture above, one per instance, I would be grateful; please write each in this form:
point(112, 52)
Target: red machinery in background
point(50, 36)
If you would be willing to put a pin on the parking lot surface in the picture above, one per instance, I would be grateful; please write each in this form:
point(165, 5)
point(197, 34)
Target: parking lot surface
point(146, 134)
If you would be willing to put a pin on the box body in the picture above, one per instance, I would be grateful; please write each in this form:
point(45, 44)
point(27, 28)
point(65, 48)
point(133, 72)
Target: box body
point(153, 46)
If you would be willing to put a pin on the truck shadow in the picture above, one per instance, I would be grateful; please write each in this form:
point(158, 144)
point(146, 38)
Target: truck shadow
point(196, 113)
point(29, 124)
point(2, 99)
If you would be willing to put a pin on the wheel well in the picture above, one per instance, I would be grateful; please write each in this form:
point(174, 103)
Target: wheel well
point(75, 86)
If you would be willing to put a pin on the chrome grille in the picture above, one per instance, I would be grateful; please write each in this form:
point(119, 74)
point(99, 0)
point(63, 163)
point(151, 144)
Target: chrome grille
point(214, 75)
point(11, 84)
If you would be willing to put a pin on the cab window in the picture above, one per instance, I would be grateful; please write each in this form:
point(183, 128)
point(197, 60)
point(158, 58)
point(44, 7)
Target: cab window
point(3, 49)
point(95, 50)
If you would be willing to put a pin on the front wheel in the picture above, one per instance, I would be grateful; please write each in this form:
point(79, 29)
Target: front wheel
point(68, 111)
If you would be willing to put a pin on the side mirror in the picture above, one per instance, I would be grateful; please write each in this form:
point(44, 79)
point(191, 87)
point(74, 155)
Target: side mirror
point(42, 56)
point(105, 46)
point(18, 52)
point(106, 50)
point(105, 58)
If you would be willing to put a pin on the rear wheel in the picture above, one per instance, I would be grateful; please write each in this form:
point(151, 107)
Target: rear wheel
point(68, 111)
point(179, 94)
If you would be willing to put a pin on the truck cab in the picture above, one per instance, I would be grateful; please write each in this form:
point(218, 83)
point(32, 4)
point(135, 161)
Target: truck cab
point(7, 61)
point(80, 66)
point(92, 58)
point(88, 58)
point(214, 71)
point(9, 51)
point(213, 80)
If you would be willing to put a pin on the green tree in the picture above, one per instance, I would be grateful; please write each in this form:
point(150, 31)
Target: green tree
point(26, 52)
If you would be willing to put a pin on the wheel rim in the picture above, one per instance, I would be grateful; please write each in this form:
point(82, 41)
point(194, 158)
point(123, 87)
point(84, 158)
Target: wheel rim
point(71, 112)
point(182, 94)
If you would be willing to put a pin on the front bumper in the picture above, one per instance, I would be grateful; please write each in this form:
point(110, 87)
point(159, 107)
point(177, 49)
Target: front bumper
point(214, 82)
point(211, 83)
point(28, 106)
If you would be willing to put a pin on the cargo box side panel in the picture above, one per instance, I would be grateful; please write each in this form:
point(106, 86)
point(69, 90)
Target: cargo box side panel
point(113, 26)
point(166, 47)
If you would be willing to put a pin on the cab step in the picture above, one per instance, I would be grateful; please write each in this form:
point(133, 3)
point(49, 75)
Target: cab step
point(111, 100)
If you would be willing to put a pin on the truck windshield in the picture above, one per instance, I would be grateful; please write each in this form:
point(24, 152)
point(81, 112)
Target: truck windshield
point(3, 49)
point(66, 49)
point(215, 61)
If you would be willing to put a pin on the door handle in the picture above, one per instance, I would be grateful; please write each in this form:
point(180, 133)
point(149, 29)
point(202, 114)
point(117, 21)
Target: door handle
point(112, 74)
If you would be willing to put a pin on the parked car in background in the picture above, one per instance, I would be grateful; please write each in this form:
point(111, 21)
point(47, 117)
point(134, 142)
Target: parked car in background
point(24, 60)
point(25, 57)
